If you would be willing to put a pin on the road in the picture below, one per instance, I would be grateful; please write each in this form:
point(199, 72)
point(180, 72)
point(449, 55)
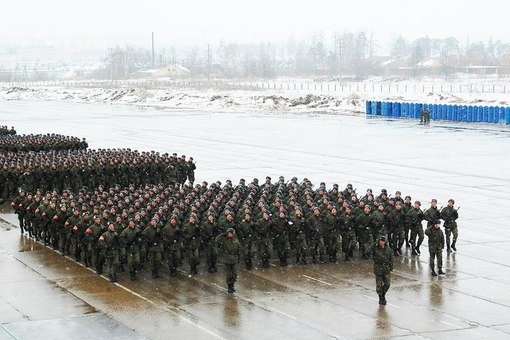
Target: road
point(467, 162)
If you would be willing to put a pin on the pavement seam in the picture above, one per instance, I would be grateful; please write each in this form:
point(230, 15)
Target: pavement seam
point(7, 331)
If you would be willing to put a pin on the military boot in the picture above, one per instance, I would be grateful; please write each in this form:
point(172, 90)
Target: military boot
point(210, 269)
point(298, 259)
point(303, 260)
point(173, 272)
point(441, 272)
point(453, 247)
point(434, 272)
point(132, 275)
point(418, 249)
point(265, 263)
point(231, 288)
point(194, 270)
point(414, 252)
point(382, 301)
point(155, 274)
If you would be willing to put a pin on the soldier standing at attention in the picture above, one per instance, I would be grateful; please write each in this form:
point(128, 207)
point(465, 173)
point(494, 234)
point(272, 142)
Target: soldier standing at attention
point(383, 266)
point(231, 248)
point(436, 245)
point(450, 215)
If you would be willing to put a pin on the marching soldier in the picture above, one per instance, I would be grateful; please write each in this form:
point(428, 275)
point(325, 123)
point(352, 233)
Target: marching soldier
point(450, 215)
point(231, 248)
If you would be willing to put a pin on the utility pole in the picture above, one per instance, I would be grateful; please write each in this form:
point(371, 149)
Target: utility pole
point(111, 66)
point(208, 61)
point(153, 60)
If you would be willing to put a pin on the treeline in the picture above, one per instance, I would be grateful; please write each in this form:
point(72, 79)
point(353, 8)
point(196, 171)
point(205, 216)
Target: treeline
point(344, 55)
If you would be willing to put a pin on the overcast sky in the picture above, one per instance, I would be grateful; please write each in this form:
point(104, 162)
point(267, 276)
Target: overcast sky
point(197, 22)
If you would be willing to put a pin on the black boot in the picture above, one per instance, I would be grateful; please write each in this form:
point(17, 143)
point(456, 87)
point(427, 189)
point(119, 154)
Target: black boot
point(231, 288)
point(155, 274)
point(418, 250)
point(382, 301)
point(173, 272)
point(414, 252)
point(265, 263)
point(441, 272)
point(194, 270)
point(453, 247)
point(132, 275)
point(303, 260)
point(114, 276)
point(434, 272)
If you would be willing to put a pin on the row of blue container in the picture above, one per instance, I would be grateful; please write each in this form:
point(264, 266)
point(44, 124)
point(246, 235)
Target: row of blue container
point(460, 113)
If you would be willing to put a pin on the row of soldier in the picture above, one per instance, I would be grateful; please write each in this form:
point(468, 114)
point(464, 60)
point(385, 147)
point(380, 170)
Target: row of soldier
point(133, 226)
point(4, 130)
point(74, 169)
point(41, 142)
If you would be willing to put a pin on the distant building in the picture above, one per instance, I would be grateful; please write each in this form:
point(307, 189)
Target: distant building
point(171, 71)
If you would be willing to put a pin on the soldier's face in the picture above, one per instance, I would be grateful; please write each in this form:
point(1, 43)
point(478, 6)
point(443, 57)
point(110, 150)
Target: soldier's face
point(382, 243)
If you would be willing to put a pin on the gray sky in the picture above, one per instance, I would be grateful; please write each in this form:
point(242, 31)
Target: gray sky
point(202, 21)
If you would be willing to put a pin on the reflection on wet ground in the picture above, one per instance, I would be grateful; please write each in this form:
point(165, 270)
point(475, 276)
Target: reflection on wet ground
point(42, 292)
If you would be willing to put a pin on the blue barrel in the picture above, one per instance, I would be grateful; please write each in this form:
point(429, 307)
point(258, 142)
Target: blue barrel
point(507, 115)
point(396, 110)
point(368, 107)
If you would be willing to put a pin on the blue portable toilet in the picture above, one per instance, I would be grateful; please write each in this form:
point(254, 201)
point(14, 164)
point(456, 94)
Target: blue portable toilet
point(417, 109)
point(461, 113)
point(507, 115)
point(368, 107)
point(485, 114)
point(411, 110)
point(449, 112)
point(444, 111)
point(465, 114)
point(376, 108)
point(384, 109)
point(501, 114)
point(490, 116)
point(470, 113)
point(404, 110)
point(396, 110)
point(434, 110)
point(373, 110)
point(479, 114)
point(495, 114)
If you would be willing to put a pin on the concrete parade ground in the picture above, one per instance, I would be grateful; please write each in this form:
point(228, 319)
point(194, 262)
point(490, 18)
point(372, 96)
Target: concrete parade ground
point(44, 295)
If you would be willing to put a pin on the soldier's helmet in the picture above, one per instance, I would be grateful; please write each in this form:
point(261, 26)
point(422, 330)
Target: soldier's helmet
point(231, 230)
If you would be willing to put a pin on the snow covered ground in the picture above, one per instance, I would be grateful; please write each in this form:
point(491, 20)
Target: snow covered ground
point(219, 99)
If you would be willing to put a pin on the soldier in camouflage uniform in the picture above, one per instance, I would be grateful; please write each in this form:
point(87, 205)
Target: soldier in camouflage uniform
point(231, 248)
point(383, 266)
point(436, 246)
point(450, 215)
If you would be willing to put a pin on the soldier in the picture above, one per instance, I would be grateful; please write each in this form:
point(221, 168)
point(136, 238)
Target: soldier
point(383, 266)
point(173, 243)
point(191, 237)
point(298, 232)
point(231, 248)
point(246, 233)
point(281, 237)
point(432, 214)
point(190, 168)
point(364, 226)
point(130, 240)
point(208, 233)
point(348, 233)
point(109, 242)
point(436, 246)
point(397, 220)
point(316, 228)
point(68, 240)
point(79, 241)
point(332, 237)
point(414, 218)
point(424, 115)
point(264, 228)
point(152, 237)
point(450, 215)
point(93, 233)
point(20, 209)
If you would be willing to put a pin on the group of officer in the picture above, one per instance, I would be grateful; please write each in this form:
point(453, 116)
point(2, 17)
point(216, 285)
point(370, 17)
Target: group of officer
point(135, 226)
point(4, 130)
point(47, 142)
point(74, 169)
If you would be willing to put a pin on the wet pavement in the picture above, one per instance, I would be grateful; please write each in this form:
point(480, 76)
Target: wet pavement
point(41, 291)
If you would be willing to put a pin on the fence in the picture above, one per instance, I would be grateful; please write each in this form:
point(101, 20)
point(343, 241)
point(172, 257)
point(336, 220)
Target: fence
point(322, 87)
point(460, 113)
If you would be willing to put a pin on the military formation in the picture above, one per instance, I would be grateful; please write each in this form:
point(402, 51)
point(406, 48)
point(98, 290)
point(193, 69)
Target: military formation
point(17, 143)
point(74, 169)
point(4, 130)
point(125, 210)
point(156, 226)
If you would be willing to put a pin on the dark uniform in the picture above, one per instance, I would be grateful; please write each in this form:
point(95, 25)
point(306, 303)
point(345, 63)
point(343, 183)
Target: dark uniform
point(383, 266)
point(450, 215)
point(231, 248)
point(109, 242)
point(436, 246)
point(130, 240)
point(414, 218)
